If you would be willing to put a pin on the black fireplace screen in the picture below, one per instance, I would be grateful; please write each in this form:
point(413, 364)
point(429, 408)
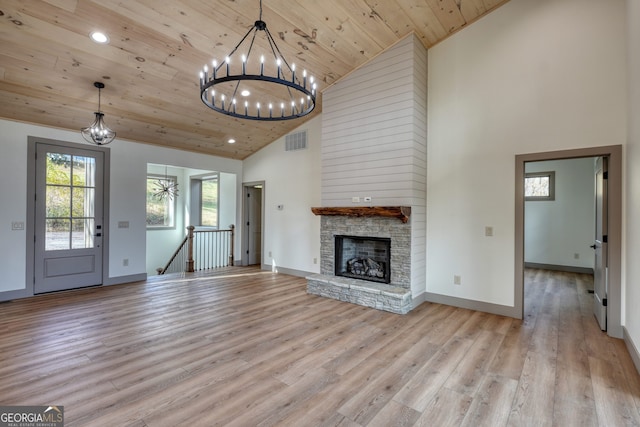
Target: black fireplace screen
point(366, 258)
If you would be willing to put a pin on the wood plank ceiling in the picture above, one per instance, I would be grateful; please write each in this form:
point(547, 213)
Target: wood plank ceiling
point(157, 47)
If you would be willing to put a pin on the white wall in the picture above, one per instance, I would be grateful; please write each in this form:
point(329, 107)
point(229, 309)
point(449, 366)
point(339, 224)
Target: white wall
point(532, 76)
point(127, 197)
point(554, 231)
point(631, 293)
point(292, 179)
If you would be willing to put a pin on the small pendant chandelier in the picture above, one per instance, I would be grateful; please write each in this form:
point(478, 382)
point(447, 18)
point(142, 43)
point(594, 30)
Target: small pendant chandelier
point(165, 188)
point(268, 90)
point(98, 133)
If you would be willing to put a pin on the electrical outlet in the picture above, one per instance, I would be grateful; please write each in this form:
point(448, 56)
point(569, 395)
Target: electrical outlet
point(125, 262)
point(576, 256)
point(270, 256)
point(17, 225)
point(315, 260)
point(457, 280)
point(488, 231)
point(355, 199)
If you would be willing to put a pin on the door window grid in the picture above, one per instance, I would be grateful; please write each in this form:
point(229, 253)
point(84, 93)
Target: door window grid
point(69, 202)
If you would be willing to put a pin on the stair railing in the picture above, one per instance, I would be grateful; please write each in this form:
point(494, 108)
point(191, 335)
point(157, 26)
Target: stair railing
point(202, 250)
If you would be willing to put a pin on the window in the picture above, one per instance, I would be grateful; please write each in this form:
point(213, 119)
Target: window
point(209, 202)
point(160, 210)
point(539, 186)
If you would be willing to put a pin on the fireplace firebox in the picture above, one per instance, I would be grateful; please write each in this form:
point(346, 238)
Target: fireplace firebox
point(365, 258)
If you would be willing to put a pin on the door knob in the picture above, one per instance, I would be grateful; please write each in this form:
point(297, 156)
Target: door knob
point(592, 246)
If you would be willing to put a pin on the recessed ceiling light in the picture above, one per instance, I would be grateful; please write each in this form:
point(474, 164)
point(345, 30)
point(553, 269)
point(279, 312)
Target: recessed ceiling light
point(245, 93)
point(99, 37)
point(232, 141)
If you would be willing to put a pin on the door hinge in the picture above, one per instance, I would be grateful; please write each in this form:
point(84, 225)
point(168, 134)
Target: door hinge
point(604, 302)
point(605, 175)
point(605, 238)
point(247, 223)
point(248, 194)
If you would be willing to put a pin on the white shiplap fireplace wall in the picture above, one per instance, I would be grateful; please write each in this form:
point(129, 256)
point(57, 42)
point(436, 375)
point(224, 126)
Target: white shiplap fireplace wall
point(374, 136)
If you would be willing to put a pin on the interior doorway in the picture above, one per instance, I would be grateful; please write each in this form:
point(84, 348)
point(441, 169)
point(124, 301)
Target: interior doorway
point(614, 156)
point(253, 215)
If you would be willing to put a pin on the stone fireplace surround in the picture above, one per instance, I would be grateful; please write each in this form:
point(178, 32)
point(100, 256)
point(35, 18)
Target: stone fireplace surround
point(391, 223)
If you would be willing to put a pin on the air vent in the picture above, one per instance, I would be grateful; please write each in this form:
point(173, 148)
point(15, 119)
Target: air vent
point(296, 141)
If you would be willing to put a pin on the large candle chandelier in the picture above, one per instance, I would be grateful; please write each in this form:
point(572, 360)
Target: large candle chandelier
point(268, 88)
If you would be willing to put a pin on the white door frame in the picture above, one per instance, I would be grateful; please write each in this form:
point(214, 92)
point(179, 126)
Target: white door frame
point(31, 209)
point(614, 297)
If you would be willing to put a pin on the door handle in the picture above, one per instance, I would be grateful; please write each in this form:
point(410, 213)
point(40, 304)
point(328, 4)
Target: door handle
point(100, 234)
point(593, 246)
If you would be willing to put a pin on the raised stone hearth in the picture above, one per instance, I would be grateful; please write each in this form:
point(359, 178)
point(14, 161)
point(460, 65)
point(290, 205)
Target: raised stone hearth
point(375, 295)
point(394, 296)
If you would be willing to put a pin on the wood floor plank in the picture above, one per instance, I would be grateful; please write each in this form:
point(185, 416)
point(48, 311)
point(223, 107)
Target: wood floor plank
point(468, 374)
point(534, 399)
point(242, 346)
point(614, 401)
point(492, 403)
point(447, 408)
point(432, 375)
point(370, 399)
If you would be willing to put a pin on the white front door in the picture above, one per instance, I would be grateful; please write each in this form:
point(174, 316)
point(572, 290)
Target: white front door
point(601, 271)
point(68, 218)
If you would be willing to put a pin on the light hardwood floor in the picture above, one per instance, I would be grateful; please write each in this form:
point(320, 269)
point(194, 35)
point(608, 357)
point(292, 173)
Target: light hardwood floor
point(245, 347)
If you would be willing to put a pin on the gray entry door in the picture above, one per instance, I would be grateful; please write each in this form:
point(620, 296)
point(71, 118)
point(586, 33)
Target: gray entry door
point(68, 218)
point(253, 214)
point(601, 271)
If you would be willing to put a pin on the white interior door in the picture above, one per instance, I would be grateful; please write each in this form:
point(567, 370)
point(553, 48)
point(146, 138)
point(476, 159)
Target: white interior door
point(68, 218)
point(601, 272)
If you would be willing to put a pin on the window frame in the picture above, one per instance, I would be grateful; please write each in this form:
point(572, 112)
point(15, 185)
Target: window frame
point(213, 177)
point(172, 202)
point(552, 186)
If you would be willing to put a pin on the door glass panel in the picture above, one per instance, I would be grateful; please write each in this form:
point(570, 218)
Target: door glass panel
point(57, 236)
point(58, 201)
point(58, 169)
point(82, 236)
point(83, 206)
point(70, 202)
point(84, 171)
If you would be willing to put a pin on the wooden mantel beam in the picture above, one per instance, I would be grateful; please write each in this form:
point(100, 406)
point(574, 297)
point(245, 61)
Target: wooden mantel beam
point(401, 212)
